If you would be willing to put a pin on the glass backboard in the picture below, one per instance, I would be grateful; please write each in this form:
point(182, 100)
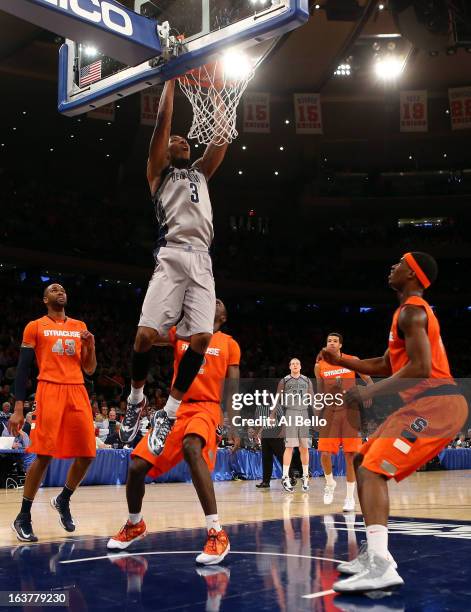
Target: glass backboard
point(197, 31)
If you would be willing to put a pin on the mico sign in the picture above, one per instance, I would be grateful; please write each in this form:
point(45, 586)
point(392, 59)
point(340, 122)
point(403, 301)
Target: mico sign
point(112, 16)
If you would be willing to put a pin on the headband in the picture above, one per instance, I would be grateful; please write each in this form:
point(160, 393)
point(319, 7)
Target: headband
point(417, 269)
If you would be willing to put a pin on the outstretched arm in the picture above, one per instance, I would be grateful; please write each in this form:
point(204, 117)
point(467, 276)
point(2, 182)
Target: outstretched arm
point(158, 151)
point(377, 366)
point(212, 159)
point(216, 150)
point(413, 324)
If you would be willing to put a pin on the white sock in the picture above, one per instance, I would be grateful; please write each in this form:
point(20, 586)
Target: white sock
point(306, 471)
point(285, 470)
point(172, 406)
point(329, 479)
point(137, 395)
point(212, 522)
point(377, 538)
point(135, 518)
point(350, 489)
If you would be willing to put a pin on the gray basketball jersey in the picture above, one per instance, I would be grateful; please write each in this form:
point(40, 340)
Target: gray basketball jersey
point(294, 390)
point(183, 208)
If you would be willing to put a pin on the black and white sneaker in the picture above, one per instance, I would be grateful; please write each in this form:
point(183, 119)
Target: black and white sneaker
point(286, 484)
point(161, 427)
point(65, 518)
point(130, 425)
point(23, 528)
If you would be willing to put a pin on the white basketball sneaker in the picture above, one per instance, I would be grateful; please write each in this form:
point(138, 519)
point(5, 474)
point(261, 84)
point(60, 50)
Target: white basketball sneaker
point(349, 505)
point(305, 485)
point(377, 573)
point(329, 493)
point(357, 565)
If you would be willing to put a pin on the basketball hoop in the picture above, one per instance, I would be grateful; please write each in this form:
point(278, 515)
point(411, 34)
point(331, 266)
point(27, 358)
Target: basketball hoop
point(214, 91)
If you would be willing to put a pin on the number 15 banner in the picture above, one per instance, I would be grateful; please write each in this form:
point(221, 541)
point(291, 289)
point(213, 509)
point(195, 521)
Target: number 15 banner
point(257, 112)
point(307, 108)
point(414, 111)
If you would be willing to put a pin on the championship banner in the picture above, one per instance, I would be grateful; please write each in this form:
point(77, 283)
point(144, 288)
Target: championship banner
point(257, 113)
point(150, 105)
point(308, 113)
point(460, 108)
point(105, 113)
point(414, 111)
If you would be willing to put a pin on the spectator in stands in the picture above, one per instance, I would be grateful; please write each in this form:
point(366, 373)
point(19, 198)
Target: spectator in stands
point(27, 423)
point(95, 408)
point(21, 441)
point(112, 420)
point(6, 411)
point(5, 393)
point(113, 439)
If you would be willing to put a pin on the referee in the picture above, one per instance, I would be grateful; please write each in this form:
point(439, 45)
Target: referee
point(273, 443)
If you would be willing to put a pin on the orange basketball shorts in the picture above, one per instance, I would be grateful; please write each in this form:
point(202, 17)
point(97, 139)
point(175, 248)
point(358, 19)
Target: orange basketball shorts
point(342, 428)
point(64, 422)
point(413, 435)
point(193, 418)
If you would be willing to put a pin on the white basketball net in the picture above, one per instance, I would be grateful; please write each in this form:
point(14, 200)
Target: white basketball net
point(214, 96)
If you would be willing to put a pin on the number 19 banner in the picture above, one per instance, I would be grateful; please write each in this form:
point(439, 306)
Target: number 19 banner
point(308, 112)
point(257, 112)
point(414, 111)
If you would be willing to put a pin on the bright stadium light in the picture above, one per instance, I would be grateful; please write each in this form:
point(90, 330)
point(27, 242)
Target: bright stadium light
point(389, 68)
point(343, 70)
point(236, 64)
point(91, 51)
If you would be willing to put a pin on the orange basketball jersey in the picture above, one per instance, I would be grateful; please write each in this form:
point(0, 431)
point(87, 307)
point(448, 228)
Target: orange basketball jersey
point(336, 376)
point(58, 349)
point(208, 385)
point(398, 354)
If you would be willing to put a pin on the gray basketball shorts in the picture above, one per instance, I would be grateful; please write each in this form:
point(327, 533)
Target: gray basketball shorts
point(296, 435)
point(181, 292)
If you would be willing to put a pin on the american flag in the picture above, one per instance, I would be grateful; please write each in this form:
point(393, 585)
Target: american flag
point(90, 74)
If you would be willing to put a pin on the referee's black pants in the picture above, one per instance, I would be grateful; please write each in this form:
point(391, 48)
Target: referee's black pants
point(271, 447)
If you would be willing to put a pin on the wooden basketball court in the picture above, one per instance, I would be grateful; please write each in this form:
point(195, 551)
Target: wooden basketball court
point(100, 510)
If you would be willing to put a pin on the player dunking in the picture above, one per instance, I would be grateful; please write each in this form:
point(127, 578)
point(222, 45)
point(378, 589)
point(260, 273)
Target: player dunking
point(342, 424)
point(193, 438)
point(416, 365)
point(181, 290)
point(64, 423)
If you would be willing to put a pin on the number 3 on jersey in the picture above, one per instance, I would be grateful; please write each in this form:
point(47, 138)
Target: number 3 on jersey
point(59, 347)
point(194, 197)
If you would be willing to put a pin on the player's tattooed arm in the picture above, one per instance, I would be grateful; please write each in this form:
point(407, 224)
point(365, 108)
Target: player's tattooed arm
point(88, 356)
point(319, 381)
point(23, 370)
point(158, 150)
